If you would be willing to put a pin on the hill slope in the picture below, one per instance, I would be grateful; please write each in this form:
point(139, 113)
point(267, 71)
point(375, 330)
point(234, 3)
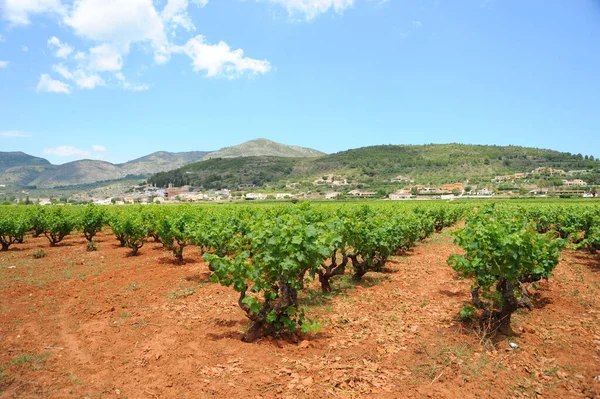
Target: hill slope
point(77, 172)
point(10, 160)
point(20, 169)
point(433, 163)
point(264, 147)
point(161, 161)
point(25, 170)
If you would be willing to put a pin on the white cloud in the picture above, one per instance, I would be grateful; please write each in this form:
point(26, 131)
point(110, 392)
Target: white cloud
point(2, 39)
point(3, 64)
point(116, 21)
point(70, 151)
point(118, 24)
point(63, 50)
point(133, 87)
point(105, 58)
point(312, 8)
point(14, 134)
point(47, 84)
point(129, 86)
point(88, 81)
point(175, 13)
point(67, 151)
point(24, 49)
point(219, 59)
point(82, 79)
point(63, 71)
point(18, 12)
point(114, 27)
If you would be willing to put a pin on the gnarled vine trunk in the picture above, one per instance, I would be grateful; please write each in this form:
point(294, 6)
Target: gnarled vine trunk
point(501, 317)
point(89, 235)
point(259, 326)
point(122, 240)
point(509, 305)
point(360, 267)
point(327, 272)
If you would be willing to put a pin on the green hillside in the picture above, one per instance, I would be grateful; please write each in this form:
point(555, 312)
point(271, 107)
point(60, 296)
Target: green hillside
point(427, 164)
point(230, 172)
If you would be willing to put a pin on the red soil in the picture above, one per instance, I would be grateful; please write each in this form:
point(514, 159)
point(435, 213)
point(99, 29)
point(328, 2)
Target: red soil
point(105, 325)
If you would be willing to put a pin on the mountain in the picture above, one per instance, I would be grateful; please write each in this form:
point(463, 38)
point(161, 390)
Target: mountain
point(266, 163)
point(375, 166)
point(264, 147)
point(10, 160)
point(17, 168)
point(20, 169)
point(161, 161)
point(77, 172)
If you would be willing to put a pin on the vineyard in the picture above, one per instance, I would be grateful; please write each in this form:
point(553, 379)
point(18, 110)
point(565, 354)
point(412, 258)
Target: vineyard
point(301, 300)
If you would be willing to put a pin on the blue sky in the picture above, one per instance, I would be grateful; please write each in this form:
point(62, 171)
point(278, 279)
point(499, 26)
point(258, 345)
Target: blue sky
point(118, 79)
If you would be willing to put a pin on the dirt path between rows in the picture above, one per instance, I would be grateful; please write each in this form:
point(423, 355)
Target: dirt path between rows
point(104, 325)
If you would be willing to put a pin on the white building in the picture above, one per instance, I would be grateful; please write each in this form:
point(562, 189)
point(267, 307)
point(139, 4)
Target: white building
point(483, 191)
point(574, 183)
point(400, 195)
point(255, 196)
point(107, 201)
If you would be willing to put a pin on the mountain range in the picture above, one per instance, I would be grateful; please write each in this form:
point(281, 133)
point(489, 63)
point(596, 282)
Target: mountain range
point(23, 170)
point(266, 163)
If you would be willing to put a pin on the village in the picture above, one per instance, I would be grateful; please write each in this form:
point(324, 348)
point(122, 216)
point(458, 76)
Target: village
point(332, 187)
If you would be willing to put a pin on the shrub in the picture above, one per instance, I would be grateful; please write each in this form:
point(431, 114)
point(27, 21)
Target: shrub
point(12, 230)
point(92, 221)
point(502, 252)
point(284, 248)
point(91, 246)
point(134, 230)
point(39, 254)
point(57, 225)
point(174, 230)
point(37, 220)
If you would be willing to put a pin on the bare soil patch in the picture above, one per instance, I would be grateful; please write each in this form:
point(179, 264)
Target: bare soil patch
point(106, 325)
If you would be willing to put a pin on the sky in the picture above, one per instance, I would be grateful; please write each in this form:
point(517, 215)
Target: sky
point(119, 79)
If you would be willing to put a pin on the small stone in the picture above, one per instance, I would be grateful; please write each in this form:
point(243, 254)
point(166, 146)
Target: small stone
point(304, 344)
point(307, 381)
point(513, 345)
point(561, 374)
point(118, 391)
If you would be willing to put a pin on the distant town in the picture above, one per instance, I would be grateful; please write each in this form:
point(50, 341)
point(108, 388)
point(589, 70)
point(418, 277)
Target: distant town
point(331, 187)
